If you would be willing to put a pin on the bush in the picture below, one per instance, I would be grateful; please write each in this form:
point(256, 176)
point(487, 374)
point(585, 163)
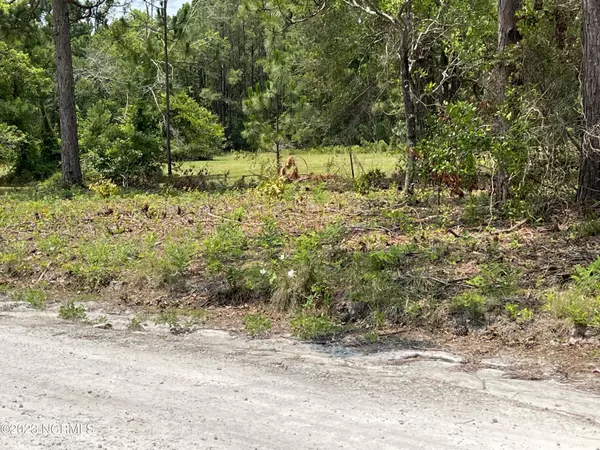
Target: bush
point(104, 188)
point(373, 179)
point(120, 149)
point(199, 135)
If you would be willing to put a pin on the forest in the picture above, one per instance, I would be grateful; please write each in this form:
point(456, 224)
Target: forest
point(335, 166)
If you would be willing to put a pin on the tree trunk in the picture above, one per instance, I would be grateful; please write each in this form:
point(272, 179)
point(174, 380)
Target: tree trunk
point(589, 173)
point(410, 110)
point(167, 89)
point(411, 120)
point(508, 35)
point(71, 167)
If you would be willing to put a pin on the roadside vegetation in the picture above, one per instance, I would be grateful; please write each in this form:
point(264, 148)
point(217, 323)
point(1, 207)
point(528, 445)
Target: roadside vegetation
point(322, 257)
point(323, 169)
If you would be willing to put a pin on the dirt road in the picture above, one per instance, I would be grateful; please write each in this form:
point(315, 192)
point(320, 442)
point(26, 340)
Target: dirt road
point(117, 389)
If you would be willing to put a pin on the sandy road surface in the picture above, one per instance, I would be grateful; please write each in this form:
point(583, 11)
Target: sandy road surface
point(210, 389)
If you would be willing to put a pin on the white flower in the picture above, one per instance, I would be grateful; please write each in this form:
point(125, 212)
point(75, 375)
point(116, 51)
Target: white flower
point(263, 271)
point(282, 256)
point(291, 273)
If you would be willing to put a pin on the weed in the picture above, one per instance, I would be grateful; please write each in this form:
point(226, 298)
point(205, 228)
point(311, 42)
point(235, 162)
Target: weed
point(581, 310)
point(271, 237)
point(257, 324)
point(273, 187)
point(35, 297)
point(589, 228)
point(225, 246)
point(167, 317)
point(587, 279)
point(496, 280)
point(308, 327)
point(519, 315)
point(14, 257)
point(373, 179)
point(477, 209)
point(471, 306)
point(70, 311)
point(174, 262)
point(135, 324)
point(98, 262)
point(104, 188)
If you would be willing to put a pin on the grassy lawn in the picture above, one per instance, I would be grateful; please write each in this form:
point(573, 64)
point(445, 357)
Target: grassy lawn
point(248, 165)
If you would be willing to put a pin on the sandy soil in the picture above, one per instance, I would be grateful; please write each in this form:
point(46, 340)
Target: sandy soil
point(213, 389)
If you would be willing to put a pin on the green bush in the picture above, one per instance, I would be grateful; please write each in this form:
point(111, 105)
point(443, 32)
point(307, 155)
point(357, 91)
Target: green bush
point(119, 148)
point(199, 135)
point(373, 179)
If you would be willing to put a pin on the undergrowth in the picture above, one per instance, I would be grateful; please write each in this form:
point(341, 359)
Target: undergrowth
point(328, 257)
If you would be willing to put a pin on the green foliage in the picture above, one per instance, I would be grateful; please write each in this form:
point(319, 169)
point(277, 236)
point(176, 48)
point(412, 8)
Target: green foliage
point(36, 298)
point(98, 262)
point(519, 315)
point(104, 188)
point(471, 306)
point(458, 139)
point(581, 303)
point(257, 324)
point(117, 148)
point(314, 328)
point(225, 246)
point(496, 280)
point(71, 311)
point(373, 179)
point(168, 317)
point(172, 266)
point(198, 134)
point(587, 279)
point(135, 324)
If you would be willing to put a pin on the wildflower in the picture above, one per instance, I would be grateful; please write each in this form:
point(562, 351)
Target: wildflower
point(291, 273)
point(282, 256)
point(263, 271)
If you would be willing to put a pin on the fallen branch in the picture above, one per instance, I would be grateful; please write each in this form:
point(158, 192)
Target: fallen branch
point(511, 229)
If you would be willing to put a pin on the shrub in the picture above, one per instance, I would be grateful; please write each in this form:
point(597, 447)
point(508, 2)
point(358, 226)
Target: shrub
point(519, 315)
point(199, 135)
point(104, 188)
point(119, 148)
point(373, 179)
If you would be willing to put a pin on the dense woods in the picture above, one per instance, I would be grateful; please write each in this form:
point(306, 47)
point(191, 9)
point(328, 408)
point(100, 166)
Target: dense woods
point(473, 93)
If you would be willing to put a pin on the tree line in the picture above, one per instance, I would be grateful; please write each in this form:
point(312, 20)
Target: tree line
point(501, 90)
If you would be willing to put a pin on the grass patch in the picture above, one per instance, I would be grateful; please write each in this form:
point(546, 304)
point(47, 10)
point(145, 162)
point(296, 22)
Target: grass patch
point(257, 325)
point(36, 298)
point(314, 328)
point(249, 165)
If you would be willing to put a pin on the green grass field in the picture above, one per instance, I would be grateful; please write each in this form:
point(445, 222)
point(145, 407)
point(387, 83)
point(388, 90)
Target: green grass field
point(239, 165)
